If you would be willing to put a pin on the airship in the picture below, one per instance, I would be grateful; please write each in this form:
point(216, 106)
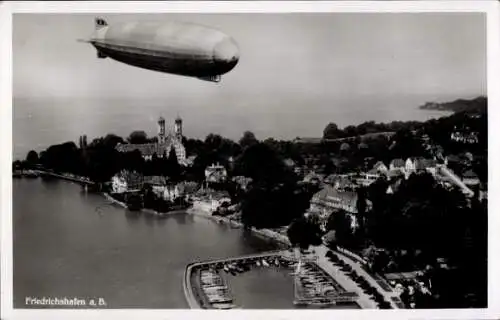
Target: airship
point(172, 47)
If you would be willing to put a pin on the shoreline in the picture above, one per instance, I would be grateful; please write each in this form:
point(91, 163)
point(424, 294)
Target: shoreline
point(143, 210)
point(264, 233)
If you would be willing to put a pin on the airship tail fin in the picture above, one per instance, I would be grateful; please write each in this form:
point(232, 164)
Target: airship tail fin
point(100, 23)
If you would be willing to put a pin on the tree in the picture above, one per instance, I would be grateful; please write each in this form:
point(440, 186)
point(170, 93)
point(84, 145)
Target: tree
point(332, 131)
point(17, 165)
point(361, 208)
point(303, 233)
point(138, 137)
point(174, 169)
point(111, 140)
point(248, 140)
point(32, 158)
point(262, 164)
point(340, 222)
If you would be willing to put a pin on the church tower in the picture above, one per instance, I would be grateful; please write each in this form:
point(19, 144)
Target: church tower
point(161, 130)
point(178, 128)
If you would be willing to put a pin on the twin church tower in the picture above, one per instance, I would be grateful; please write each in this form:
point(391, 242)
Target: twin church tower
point(162, 133)
point(166, 142)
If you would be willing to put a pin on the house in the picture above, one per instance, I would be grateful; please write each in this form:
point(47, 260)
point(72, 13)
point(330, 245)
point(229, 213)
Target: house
point(242, 181)
point(410, 165)
point(172, 192)
point(343, 183)
point(420, 165)
point(430, 166)
point(330, 179)
point(215, 173)
point(366, 179)
point(210, 201)
point(470, 178)
point(190, 160)
point(155, 180)
point(394, 174)
point(329, 199)
point(312, 177)
point(469, 156)
point(380, 167)
point(465, 137)
point(127, 181)
point(397, 164)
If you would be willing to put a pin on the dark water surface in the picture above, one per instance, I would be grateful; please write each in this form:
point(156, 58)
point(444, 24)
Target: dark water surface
point(68, 243)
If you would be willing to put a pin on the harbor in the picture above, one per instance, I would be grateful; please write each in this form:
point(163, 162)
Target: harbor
point(206, 284)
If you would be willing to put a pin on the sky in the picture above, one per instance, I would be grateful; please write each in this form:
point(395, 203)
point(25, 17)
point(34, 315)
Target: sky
point(297, 72)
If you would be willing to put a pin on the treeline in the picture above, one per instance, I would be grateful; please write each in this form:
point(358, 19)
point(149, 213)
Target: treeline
point(474, 107)
point(332, 131)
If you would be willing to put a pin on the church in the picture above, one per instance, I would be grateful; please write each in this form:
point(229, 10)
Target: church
point(166, 141)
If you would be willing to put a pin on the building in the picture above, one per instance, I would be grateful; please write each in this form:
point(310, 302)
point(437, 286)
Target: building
point(397, 164)
point(366, 179)
point(329, 199)
point(209, 201)
point(470, 178)
point(243, 182)
point(380, 167)
point(394, 174)
point(126, 181)
point(215, 173)
point(162, 148)
point(465, 137)
point(313, 178)
point(420, 165)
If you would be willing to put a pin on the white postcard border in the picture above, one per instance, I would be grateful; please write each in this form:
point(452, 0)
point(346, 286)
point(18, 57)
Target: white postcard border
point(493, 83)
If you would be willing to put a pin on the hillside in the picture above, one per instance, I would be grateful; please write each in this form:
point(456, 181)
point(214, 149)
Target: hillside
point(477, 105)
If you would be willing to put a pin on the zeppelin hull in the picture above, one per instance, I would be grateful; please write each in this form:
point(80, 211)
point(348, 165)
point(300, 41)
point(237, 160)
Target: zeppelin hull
point(180, 66)
point(177, 48)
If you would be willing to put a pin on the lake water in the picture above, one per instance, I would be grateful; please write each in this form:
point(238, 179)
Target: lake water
point(68, 243)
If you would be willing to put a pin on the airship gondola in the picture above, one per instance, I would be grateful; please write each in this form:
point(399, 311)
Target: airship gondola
point(172, 47)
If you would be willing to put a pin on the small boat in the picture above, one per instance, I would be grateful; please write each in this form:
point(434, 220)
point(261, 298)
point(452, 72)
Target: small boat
point(258, 263)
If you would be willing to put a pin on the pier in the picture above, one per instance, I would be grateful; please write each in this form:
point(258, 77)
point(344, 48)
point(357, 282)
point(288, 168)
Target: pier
point(66, 177)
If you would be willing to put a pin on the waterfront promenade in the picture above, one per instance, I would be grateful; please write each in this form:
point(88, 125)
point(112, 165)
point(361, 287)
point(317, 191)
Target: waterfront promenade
point(364, 300)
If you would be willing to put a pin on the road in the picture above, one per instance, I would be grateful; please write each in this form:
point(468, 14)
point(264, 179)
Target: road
point(364, 300)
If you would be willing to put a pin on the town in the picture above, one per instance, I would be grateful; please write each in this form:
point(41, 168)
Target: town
point(407, 201)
